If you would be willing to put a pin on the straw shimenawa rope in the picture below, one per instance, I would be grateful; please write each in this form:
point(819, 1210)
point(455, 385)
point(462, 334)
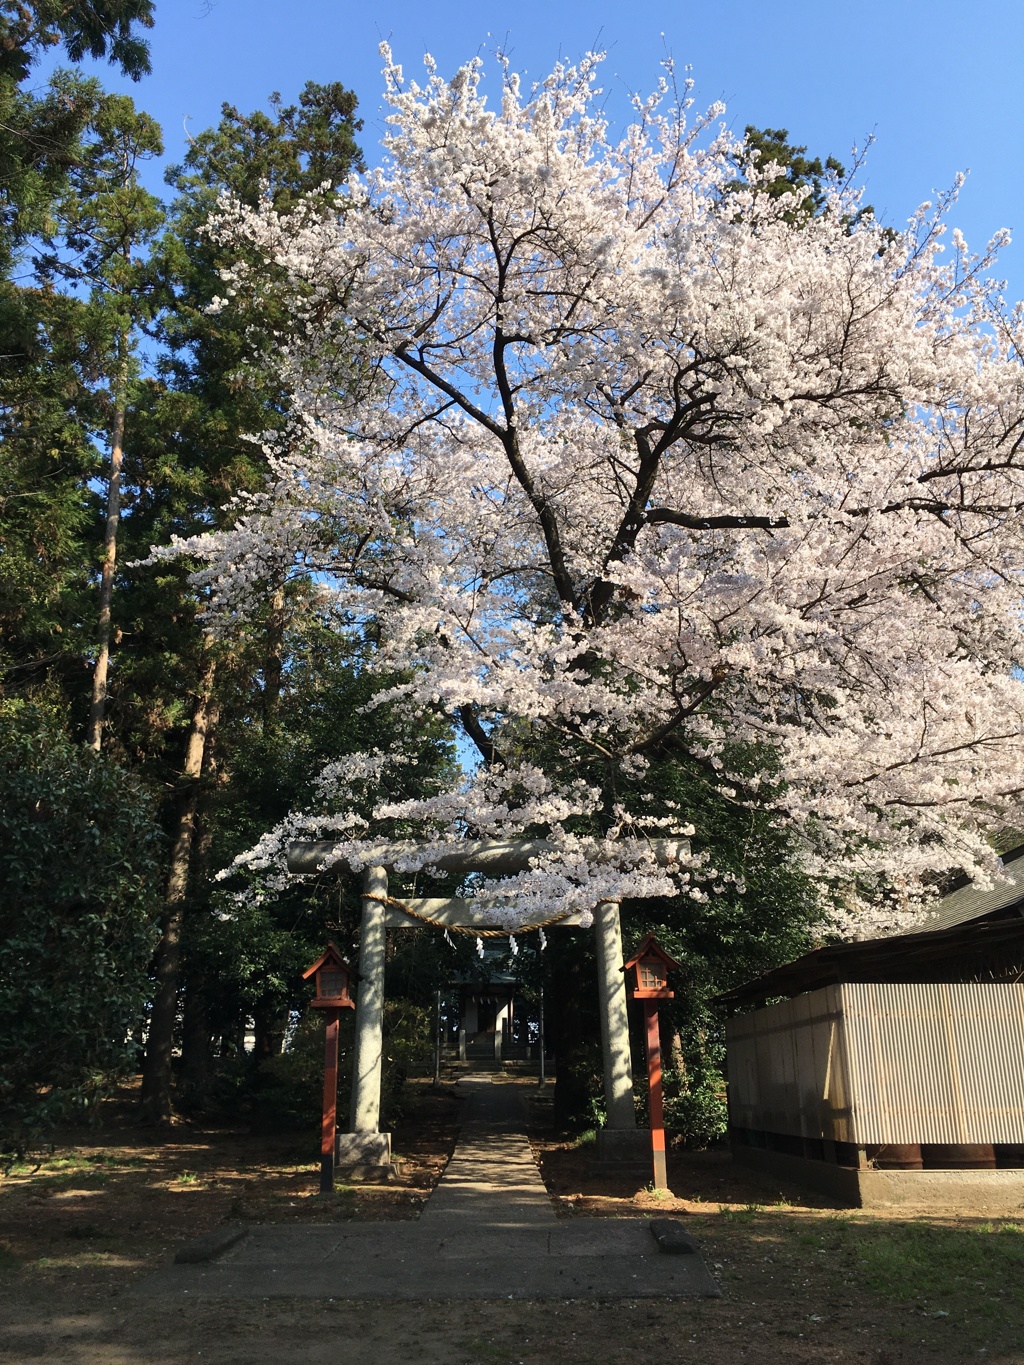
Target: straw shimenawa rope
point(462, 928)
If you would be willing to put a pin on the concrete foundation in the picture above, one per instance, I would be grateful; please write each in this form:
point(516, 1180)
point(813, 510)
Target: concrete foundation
point(999, 1192)
point(363, 1149)
point(625, 1147)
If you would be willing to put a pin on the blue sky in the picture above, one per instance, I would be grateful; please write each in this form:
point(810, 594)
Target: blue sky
point(939, 86)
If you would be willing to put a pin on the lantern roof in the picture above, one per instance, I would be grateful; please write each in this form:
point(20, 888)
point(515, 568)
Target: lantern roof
point(650, 947)
point(331, 957)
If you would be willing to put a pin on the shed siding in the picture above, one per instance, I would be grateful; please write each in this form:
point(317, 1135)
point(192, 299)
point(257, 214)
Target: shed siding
point(883, 1063)
point(936, 1063)
point(788, 1070)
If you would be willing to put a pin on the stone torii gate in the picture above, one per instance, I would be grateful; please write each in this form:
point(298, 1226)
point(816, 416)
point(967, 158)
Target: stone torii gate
point(365, 1144)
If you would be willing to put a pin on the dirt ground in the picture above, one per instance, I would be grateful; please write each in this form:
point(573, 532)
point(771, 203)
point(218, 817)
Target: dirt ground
point(800, 1282)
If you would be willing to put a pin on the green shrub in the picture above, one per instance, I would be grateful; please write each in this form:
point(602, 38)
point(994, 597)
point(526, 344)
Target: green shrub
point(287, 1090)
point(79, 897)
point(696, 1112)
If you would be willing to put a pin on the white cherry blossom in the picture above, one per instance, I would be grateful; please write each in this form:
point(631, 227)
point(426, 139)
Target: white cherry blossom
point(612, 453)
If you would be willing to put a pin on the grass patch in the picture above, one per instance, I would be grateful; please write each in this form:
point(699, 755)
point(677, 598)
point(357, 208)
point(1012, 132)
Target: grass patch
point(967, 1278)
point(59, 1172)
point(91, 1161)
point(77, 1179)
point(960, 1271)
point(744, 1215)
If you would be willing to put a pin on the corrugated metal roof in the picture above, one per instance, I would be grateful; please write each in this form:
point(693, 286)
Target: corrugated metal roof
point(967, 902)
point(985, 950)
point(968, 931)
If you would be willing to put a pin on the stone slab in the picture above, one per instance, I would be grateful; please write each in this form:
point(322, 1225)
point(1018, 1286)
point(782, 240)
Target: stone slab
point(491, 1181)
point(209, 1246)
point(489, 1231)
point(575, 1258)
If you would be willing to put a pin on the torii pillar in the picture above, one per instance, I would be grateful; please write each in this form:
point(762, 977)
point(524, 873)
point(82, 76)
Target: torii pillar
point(619, 1140)
point(364, 1144)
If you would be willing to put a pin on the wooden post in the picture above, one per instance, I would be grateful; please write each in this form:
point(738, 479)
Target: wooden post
point(330, 1120)
point(651, 965)
point(655, 1106)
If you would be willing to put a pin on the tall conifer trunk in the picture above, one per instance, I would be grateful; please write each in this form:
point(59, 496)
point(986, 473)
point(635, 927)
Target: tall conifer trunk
point(156, 1073)
point(196, 1060)
point(94, 738)
point(196, 1043)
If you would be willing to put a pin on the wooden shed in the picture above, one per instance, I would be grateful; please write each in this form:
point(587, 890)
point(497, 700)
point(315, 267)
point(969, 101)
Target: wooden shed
point(891, 1071)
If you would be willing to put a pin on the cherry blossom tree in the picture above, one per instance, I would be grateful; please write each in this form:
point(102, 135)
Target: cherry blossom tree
point(636, 465)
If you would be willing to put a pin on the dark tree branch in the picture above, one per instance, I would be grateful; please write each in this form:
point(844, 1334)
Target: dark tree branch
point(470, 722)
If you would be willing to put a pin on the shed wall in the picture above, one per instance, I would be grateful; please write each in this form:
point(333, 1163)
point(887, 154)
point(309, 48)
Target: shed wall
point(787, 1068)
point(936, 1063)
point(883, 1063)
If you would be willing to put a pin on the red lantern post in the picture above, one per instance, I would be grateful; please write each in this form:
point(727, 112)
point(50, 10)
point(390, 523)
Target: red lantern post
point(332, 977)
point(652, 965)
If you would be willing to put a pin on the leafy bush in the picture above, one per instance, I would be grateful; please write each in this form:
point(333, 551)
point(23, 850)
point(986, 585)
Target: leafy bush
point(287, 1091)
point(696, 1111)
point(79, 897)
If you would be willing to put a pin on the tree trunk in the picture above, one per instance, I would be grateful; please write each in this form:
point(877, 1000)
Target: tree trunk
point(273, 664)
point(196, 1052)
point(94, 736)
point(573, 1028)
point(676, 1056)
point(196, 1042)
point(156, 1073)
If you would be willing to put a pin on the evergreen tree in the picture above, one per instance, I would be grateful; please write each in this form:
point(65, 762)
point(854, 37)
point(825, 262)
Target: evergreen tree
point(217, 390)
point(48, 341)
point(103, 224)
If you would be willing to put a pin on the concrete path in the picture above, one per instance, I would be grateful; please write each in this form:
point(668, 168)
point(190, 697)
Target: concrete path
point(492, 1179)
point(488, 1231)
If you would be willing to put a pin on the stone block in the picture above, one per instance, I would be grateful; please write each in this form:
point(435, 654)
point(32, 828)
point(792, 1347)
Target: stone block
point(367, 1174)
point(362, 1149)
point(624, 1146)
point(672, 1237)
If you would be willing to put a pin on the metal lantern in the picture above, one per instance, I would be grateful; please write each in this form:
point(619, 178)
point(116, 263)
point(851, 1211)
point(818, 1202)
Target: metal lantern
point(651, 965)
point(332, 978)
